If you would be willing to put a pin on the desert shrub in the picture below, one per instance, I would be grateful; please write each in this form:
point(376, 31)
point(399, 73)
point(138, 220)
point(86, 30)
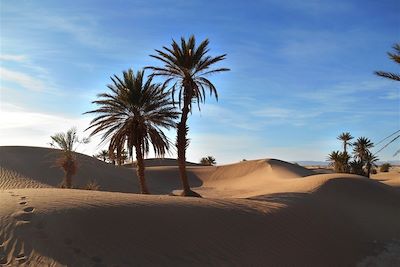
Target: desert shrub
point(374, 171)
point(92, 185)
point(385, 167)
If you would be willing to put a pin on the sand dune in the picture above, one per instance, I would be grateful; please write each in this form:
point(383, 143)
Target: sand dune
point(255, 213)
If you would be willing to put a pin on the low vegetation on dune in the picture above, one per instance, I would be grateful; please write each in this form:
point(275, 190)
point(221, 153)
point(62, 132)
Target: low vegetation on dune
point(67, 142)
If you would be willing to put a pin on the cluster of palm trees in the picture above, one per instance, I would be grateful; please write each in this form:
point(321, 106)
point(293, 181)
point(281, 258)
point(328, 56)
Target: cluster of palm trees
point(362, 160)
point(208, 161)
point(113, 157)
point(136, 110)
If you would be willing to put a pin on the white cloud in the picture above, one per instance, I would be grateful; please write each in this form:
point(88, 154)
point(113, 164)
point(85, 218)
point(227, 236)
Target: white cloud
point(17, 58)
point(25, 80)
point(19, 126)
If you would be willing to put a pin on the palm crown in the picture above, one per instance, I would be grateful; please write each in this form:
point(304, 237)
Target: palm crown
point(134, 111)
point(186, 66)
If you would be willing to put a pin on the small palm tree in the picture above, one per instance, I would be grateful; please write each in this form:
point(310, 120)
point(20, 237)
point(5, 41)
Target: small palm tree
point(396, 58)
point(208, 161)
point(345, 138)
point(339, 161)
point(67, 159)
point(103, 155)
point(133, 113)
point(356, 167)
point(186, 66)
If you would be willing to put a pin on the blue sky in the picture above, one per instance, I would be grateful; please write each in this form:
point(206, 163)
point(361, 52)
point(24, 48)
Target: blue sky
point(301, 71)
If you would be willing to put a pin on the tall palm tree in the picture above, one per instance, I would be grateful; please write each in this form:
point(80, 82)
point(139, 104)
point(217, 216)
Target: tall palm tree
point(133, 113)
point(186, 66)
point(67, 161)
point(345, 138)
point(396, 58)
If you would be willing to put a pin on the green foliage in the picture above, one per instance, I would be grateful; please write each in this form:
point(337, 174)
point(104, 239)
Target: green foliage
point(339, 161)
point(67, 142)
point(385, 167)
point(186, 67)
point(363, 160)
point(208, 161)
point(133, 113)
point(396, 58)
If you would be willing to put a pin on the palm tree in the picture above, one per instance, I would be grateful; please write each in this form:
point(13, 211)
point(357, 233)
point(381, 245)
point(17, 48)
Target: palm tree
point(370, 161)
point(103, 155)
point(67, 160)
point(208, 161)
point(186, 66)
point(339, 161)
point(361, 148)
point(356, 167)
point(134, 112)
point(396, 58)
point(345, 138)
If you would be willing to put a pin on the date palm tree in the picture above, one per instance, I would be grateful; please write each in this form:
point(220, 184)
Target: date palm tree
point(370, 161)
point(208, 161)
point(345, 138)
point(186, 66)
point(361, 148)
point(67, 142)
point(103, 155)
point(339, 161)
point(396, 58)
point(133, 113)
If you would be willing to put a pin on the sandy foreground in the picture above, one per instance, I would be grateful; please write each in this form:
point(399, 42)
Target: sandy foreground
point(254, 213)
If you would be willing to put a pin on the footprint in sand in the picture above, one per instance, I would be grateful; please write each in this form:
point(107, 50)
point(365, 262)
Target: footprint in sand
point(3, 260)
point(3, 256)
point(20, 257)
point(25, 215)
point(28, 209)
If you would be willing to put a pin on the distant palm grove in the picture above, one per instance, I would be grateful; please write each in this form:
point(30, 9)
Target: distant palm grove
point(136, 110)
point(361, 162)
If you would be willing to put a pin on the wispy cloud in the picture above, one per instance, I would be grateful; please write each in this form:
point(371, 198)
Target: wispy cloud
point(17, 58)
point(393, 95)
point(25, 80)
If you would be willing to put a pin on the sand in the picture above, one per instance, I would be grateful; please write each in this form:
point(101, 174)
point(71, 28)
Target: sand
point(255, 213)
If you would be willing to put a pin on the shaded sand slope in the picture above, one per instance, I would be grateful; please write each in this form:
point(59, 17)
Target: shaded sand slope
point(37, 165)
point(154, 162)
point(338, 224)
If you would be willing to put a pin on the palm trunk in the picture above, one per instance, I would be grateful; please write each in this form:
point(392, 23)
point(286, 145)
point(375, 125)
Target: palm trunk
point(368, 170)
point(68, 179)
point(140, 169)
point(181, 144)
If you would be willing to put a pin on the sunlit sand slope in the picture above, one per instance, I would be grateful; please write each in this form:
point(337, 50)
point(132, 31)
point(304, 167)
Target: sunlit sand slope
point(338, 224)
